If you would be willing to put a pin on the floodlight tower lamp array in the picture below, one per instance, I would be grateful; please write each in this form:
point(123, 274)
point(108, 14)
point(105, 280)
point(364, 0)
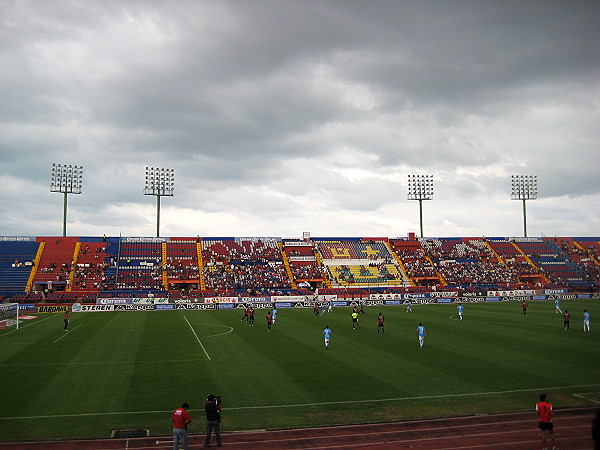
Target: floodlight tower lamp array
point(420, 187)
point(66, 179)
point(524, 187)
point(160, 182)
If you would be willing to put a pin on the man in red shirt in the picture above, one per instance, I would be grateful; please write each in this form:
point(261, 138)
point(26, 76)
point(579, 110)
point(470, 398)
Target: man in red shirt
point(544, 412)
point(181, 418)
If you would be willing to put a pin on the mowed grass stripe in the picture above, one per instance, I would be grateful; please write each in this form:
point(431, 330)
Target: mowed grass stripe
point(483, 364)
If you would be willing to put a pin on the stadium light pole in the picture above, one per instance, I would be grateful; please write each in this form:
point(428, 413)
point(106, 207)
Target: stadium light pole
point(66, 179)
point(160, 182)
point(420, 187)
point(524, 187)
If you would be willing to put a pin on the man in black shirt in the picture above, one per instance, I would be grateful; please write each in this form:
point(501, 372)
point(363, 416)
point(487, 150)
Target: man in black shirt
point(212, 407)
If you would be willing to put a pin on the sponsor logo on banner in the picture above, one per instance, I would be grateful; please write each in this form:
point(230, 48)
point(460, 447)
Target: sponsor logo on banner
point(53, 309)
point(447, 294)
point(339, 303)
point(143, 301)
point(189, 306)
point(134, 307)
point(492, 299)
point(388, 296)
point(473, 294)
point(555, 291)
point(393, 302)
point(444, 300)
point(584, 296)
point(113, 301)
point(284, 304)
point(538, 297)
point(562, 296)
point(165, 306)
point(375, 302)
point(418, 295)
point(78, 307)
point(27, 307)
point(234, 299)
point(286, 298)
point(513, 293)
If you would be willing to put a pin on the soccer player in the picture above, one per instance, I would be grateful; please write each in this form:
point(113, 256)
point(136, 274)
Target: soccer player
point(269, 321)
point(316, 309)
point(566, 320)
point(421, 333)
point(251, 317)
point(362, 309)
point(355, 320)
point(544, 412)
point(274, 314)
point(409, 306)
point(557, 307)
point(327, 336)
point(586, 321)
point(246, 313)
point(380, 320)
point(524, 306)
point(460, 308)
point(66, 328)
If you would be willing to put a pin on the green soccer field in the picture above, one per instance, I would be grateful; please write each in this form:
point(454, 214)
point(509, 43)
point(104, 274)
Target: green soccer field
point(129, 370)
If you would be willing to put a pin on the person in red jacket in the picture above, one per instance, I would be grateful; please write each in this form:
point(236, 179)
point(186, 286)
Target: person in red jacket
point(181, 418)
point(544, 412)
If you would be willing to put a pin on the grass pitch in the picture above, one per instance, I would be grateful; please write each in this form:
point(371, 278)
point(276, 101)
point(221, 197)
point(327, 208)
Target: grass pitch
point(124, 370)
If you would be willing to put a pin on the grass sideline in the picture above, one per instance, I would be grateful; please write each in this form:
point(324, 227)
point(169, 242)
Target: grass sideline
point(124, 370)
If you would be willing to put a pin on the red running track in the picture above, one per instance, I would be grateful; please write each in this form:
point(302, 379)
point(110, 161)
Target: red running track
point(499, 431)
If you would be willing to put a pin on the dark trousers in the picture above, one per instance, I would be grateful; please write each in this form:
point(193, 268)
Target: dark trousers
point(210, 424)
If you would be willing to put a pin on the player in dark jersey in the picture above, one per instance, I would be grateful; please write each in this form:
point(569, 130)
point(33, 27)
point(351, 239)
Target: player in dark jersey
point(380, 320)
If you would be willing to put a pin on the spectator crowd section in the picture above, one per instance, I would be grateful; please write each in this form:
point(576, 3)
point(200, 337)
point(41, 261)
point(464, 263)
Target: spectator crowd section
point(244, 266)
point(67, 269)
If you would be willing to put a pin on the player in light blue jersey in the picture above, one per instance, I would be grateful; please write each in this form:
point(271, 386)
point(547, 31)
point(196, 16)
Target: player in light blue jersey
point(557, 307)
point(327, 336)
point(421, 333)
point(409, 306)
point(274, 314)
point(460, 308)
point(586, 321)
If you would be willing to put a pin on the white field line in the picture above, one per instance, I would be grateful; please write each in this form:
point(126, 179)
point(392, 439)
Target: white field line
point(300, 405)
point(193, 331)
point(27, 325)
point(85, 363)
point(583, 396)
point(68, 332)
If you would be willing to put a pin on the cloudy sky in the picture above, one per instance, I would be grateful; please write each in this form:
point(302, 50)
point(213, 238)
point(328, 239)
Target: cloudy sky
point(281, 117)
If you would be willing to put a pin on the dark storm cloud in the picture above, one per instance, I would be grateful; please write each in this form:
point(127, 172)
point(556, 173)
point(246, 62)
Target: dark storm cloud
point(299, 109)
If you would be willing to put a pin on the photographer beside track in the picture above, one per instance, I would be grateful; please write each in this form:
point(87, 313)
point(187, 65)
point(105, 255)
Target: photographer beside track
point(212, 407)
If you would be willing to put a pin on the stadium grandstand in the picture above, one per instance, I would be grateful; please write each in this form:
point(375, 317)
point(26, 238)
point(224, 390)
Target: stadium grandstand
point(83, 269)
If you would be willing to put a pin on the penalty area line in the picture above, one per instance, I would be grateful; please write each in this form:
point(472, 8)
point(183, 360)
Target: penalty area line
point(197, 338)
point(68, 331)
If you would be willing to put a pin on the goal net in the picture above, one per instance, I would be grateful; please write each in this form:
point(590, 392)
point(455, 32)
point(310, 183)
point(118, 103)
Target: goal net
point(9, 315)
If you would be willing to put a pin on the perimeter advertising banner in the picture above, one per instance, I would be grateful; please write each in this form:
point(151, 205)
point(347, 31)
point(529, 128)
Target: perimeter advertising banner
point(53, 309)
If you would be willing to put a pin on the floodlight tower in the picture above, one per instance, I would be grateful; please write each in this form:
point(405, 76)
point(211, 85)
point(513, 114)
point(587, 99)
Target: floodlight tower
point(420, 187)
point(524, 187)
point(66, 179)
point(160, 182)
